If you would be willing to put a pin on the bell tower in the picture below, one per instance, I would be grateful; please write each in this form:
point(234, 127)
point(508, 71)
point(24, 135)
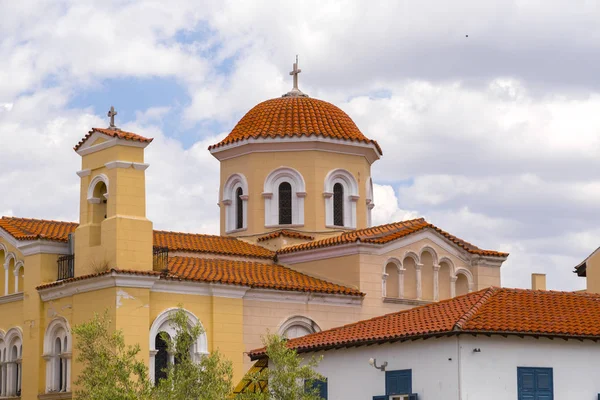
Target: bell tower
point(113, 229)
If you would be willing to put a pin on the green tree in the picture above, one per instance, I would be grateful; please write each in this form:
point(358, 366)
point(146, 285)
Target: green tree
point(111, 370)
point(209, 379)
point(289, 376)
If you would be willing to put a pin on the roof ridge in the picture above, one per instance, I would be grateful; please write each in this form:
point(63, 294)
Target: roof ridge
point(5, 217)
point(485, 296)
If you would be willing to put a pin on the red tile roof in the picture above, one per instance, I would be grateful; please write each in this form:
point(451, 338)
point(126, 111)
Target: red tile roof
point(199, 243)
point(383, 234)
point(107, 272)
point(29, 229)
point(295, 117)
point(230, 272)
point(488, 311)
point(252, 274)
point(113, 133)
point(286, 233)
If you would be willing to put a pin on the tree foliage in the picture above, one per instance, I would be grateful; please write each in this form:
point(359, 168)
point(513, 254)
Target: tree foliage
point(209, 379)
point(289, 377)
point(111, 370)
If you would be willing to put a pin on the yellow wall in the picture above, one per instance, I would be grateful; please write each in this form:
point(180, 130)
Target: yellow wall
point(313, 165)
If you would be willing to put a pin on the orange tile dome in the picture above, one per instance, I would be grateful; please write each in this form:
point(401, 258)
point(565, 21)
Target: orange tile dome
point(295, 116)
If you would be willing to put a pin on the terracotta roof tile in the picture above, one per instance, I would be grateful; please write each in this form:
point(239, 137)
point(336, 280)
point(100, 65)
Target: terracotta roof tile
point(107, 272)
point(386, 233)
point(488, 311)
point(113, 133)
point(199, 243)
point(252, 274)
point(31, 229)
point(296, 117)
point(286, 233)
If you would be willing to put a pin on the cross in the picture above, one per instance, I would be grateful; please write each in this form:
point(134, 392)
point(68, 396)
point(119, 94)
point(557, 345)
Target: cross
point(295, 73)
point(111, 114)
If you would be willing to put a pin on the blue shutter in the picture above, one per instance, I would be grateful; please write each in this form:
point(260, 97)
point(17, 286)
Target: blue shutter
point(413, 396)
point(398, 382)
point(321, 386)
point(535, 383)
point(380, 397)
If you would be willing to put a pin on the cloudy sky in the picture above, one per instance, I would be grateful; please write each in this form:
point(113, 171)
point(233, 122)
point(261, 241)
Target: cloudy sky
point(487, 112)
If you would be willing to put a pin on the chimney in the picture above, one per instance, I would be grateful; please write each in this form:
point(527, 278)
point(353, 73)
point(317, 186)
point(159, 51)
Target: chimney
point(538, 281)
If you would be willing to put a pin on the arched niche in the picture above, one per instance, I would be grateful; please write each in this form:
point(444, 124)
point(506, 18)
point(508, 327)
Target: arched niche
point(298, 326)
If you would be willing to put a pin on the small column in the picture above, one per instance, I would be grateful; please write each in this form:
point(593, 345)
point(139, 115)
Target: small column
point(401, 283)
point(418, 268)
point(384, 285)
point(6, 279)
point(16, 273)
point(436, 282)
point(453, 286)
point(2, 380)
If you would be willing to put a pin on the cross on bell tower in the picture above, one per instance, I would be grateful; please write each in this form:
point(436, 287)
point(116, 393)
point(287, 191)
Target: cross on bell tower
point(295, 92)
point(111, 114)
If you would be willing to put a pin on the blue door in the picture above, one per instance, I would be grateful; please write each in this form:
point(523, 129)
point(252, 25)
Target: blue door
point(535, 383)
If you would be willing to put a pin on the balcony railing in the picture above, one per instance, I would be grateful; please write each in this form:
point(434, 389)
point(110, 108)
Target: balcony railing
point(66, 267)
point(160, 258)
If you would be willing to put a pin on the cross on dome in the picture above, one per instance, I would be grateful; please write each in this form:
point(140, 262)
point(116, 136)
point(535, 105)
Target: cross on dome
point(111, 114)
point(295, 92)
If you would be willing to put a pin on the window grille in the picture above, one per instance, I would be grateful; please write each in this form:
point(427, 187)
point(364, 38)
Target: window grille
point(239, 209)
point(66, 267)
point(285, 203)
point(338, 204)
point(160, 258)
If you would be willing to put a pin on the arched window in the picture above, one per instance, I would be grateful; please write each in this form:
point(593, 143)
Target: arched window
point(284, 198)
point(57, 353)
point(341, 195)
point(298, 326)
point(161, 360)
point(10, 261)
point(285, 203)
point(393, 279)
point(239, 209)
point(338, 204)
point(97, 197)
point(18, 272)
point(235, 201)
point(12, 351)
point(162, 323)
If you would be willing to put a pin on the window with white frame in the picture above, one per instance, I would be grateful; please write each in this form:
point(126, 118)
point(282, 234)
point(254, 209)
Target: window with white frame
point(298, 326)
point(235, 201)
point(11, 369)
point(284, 193)
point(159, 352)
point(57, 353)
point(341, 194)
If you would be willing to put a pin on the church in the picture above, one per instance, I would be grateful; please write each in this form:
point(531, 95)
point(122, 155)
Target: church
point(296, 254)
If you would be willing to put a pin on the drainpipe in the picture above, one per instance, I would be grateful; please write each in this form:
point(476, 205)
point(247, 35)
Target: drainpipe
point(459, 367)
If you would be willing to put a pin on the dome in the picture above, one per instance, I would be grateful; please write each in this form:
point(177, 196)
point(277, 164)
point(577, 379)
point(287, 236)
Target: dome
point(295, 116)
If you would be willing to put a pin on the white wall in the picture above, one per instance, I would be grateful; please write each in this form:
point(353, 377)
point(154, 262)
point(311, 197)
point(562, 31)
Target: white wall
point(434, 376)
point(490, 374)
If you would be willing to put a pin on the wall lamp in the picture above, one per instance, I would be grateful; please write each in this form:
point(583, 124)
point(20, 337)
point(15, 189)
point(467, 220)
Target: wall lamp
point(373, 363)
point(477, 350)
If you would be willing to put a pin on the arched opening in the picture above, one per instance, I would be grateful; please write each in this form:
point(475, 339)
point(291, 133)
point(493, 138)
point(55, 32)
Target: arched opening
point(98, 206)
point(426, 276)
point(338, 204)
point(462, 284)
point(9, 273)
point(2, 272)
point(161, 359)
point(57, 353)
point(285, 203)
point(410, 278)
point(298, 326)
point(235, 199)
point(239, 209)
point(444, 280)
point(392, 282)
point(19, 277)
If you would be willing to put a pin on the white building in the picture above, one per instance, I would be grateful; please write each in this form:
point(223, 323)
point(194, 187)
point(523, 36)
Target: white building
point(492, 344)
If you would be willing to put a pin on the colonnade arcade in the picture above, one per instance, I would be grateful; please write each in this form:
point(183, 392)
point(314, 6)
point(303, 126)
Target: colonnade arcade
point(11, 275)
point(424, 276)
point(11, 370)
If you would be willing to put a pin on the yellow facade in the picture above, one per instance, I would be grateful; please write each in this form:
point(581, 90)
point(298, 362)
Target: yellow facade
point(114, 268)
